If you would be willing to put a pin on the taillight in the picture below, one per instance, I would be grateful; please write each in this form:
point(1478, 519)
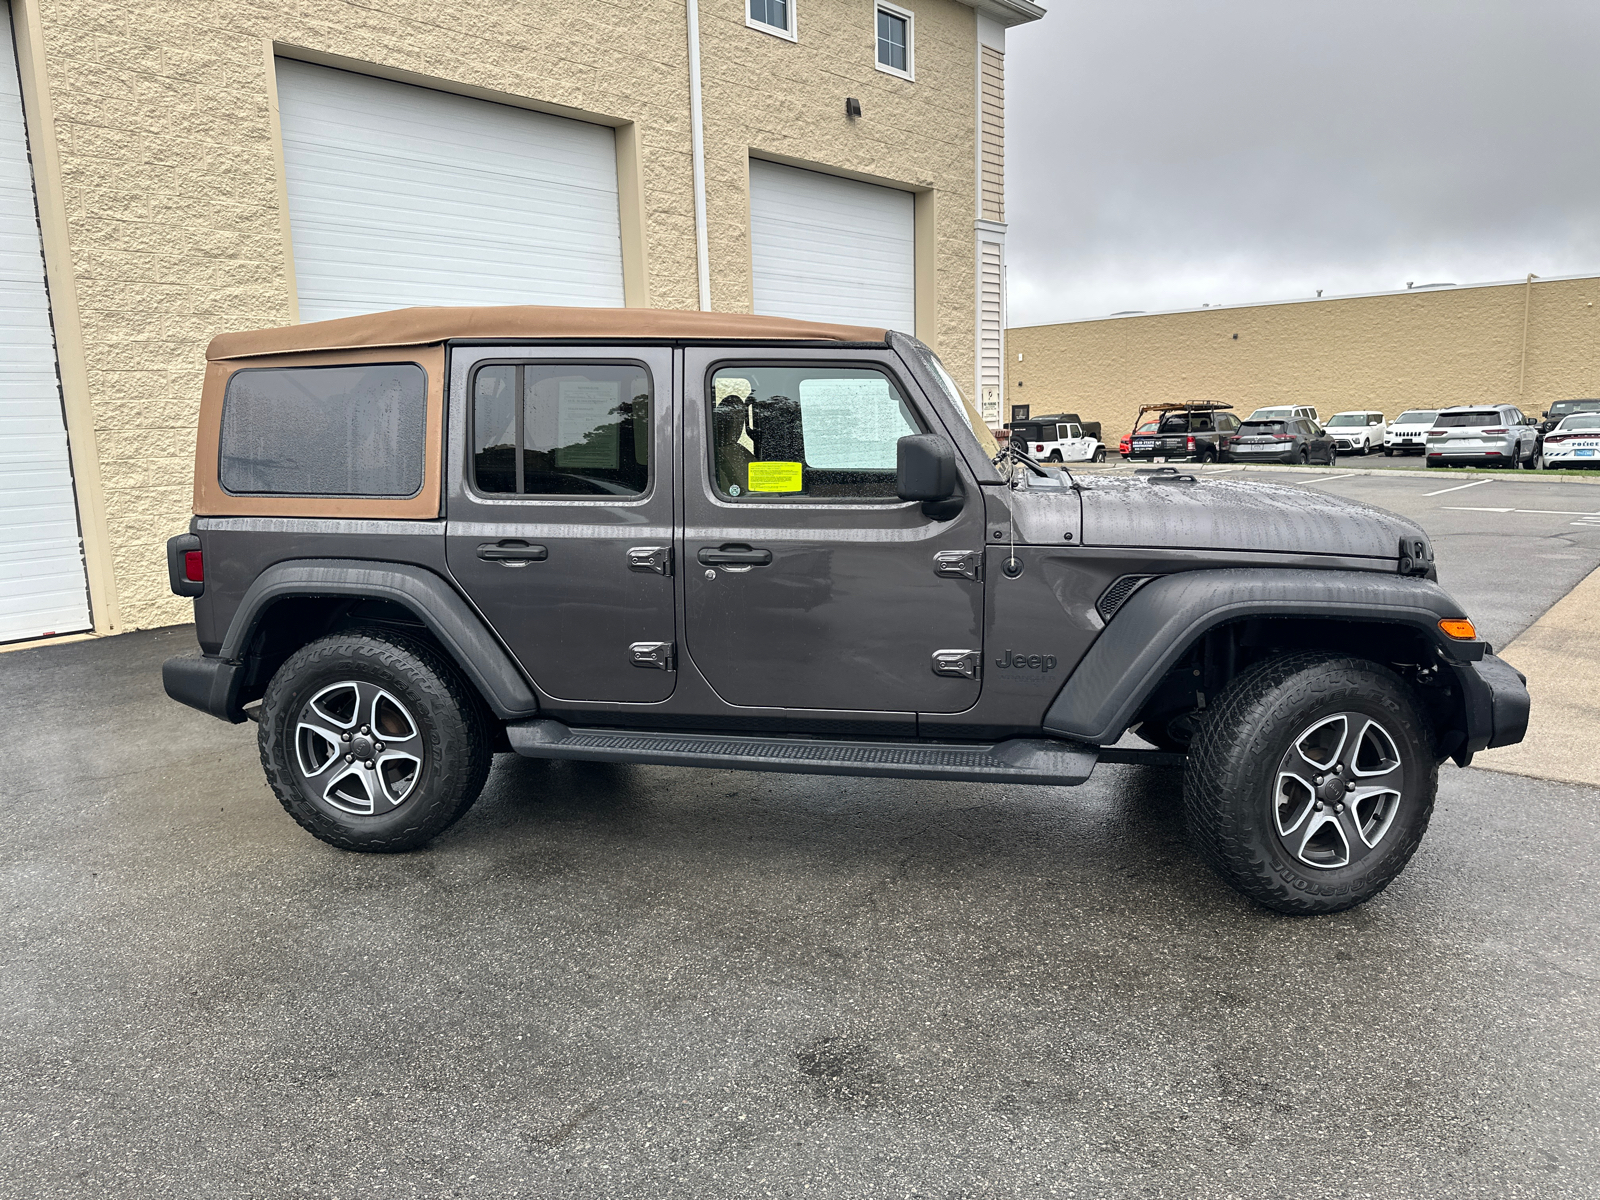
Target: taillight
point(1556, 437)
point(1038, 449)
point(1500, 430)
point(1191, 441)
point(1436, 433)
point(1283, 437)
point(194, 566)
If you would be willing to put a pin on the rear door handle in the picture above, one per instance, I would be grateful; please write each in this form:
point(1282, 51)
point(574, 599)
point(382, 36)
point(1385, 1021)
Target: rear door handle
point(734, 555)
point(512, 552)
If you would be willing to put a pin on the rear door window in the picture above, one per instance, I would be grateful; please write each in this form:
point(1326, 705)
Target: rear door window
point(561, 429)
point(806, 432)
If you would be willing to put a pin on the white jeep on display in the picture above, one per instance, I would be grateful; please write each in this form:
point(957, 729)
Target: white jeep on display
point(1059, 442)
point(1359, 432)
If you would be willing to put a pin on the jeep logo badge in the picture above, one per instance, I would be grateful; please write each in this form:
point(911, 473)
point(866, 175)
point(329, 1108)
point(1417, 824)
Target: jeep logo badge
point(1033, 662)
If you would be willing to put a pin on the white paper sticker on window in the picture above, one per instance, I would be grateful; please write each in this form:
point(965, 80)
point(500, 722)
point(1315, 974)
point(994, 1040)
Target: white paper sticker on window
point(589, 423)
point(851, 424)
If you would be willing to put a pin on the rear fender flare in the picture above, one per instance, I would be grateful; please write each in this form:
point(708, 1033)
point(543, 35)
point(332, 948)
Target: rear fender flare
point(1161, 620)
point(459, 629)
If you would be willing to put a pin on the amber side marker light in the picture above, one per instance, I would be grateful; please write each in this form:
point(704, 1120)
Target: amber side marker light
point(1459, 627)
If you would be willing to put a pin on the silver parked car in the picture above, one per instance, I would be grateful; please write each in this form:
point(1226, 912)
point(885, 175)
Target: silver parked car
point(1491, 435)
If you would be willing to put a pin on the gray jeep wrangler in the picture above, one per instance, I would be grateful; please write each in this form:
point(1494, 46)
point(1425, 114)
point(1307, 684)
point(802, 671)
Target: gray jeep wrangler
point(425, 536)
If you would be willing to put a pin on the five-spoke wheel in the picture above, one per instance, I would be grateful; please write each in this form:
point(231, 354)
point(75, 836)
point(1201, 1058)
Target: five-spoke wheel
point(1338, 789)
point(1310, 780)
point(358, 748)
point(372, 741)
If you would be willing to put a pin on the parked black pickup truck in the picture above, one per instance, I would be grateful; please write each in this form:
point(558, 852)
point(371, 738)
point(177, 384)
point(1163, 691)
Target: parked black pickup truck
point(1187, 433)
point(698, 540)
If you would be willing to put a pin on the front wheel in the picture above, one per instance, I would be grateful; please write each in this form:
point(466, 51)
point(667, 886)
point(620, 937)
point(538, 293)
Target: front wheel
point(1311, 781)
point(372, 741)
point(1388, 451)
point(1100, 455)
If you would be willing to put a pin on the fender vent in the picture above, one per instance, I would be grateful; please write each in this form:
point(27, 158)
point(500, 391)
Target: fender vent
point(1117, 594)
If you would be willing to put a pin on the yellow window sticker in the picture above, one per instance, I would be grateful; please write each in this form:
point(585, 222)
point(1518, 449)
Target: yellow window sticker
point(774, 477)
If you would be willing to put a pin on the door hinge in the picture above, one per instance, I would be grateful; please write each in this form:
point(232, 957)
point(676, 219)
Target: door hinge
point(959, 564)
point(656, 656)
point(655, 559)
point(959, 664)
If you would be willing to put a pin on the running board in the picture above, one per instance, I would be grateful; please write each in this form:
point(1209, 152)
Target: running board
point(1019, 760)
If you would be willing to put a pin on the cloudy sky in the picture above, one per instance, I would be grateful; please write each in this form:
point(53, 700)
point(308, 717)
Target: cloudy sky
point(1166, 154)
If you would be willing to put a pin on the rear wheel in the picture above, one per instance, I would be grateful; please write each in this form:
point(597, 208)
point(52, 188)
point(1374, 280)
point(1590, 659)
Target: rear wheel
point(1304, 457)
point(372, 741)
point(1311, 781)
point(1055, 456)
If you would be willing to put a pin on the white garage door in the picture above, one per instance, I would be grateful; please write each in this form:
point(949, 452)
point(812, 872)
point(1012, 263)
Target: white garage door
point(831, 249)
point(42, 585)
point(400, 195)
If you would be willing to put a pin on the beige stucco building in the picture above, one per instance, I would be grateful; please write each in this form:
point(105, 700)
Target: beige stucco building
point(199, 167)
point(1528, 343)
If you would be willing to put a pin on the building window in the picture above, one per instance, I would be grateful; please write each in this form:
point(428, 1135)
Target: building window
point(772, 16)
point(894, 41)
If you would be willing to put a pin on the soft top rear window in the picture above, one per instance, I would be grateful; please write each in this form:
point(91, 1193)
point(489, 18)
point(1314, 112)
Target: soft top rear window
point(1468, 420)
point(355, 430)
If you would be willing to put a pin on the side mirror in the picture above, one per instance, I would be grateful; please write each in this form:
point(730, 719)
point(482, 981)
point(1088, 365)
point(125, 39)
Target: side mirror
point(925, 470)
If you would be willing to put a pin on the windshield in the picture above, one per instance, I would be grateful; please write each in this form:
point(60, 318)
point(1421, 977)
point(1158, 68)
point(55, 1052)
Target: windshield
point(1466, 420)
point(1590, 421)
point(1562, 407)
point(1417, 416)
point(980, 429)
point(1343, 419)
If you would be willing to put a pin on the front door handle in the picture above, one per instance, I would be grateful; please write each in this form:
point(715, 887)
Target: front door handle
point(734, 554)
point(512, 552)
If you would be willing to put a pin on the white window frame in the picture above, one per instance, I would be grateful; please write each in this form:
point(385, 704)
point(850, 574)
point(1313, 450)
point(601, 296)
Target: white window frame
point(910, 18)
point(792, 33)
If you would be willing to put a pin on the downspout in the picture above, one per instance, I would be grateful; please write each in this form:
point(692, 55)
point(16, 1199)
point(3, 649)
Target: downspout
point(697, 151)
point(1527, 295)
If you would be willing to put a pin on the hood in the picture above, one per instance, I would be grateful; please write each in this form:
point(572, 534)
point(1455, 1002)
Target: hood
point(1226, 514)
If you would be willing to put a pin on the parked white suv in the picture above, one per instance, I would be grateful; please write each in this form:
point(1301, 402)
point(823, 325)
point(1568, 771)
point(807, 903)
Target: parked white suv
point(1491, 435)
point(1408, 433)
point(1357, 432)
point(1286, 412)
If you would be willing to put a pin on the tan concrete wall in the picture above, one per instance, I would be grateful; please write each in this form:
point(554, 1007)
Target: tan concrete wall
point(174, 226)
point(1390, 352)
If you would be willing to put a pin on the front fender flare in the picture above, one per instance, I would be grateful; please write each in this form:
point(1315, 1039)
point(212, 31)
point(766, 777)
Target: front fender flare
point(460, 631)
point(1163, 618)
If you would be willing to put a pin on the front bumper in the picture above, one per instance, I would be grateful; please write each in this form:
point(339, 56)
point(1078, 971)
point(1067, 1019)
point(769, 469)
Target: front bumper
point(205, 682)
point(1497, 705)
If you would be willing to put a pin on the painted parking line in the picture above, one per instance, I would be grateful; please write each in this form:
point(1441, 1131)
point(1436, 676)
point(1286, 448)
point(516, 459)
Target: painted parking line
point(1459, 487)
point(1541, 512)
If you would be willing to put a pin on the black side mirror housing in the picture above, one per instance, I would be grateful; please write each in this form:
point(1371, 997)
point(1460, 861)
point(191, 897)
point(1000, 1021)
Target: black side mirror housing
point(925, 470)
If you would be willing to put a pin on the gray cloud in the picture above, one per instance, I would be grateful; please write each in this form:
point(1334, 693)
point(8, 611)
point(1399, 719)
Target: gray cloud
point(1165, 155)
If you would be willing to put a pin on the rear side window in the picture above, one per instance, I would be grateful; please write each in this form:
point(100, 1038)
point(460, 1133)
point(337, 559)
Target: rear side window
point(561, 429)
point(1467, 420)
point(813, 432)
point(354, 430)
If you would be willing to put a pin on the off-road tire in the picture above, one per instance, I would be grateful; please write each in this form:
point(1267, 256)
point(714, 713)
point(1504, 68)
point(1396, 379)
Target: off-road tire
point(451, 722)
point(1228, 787)
point(1099, 455)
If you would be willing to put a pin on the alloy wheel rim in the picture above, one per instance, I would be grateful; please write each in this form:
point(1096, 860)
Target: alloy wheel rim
point(1337, 790)
point(357, 748)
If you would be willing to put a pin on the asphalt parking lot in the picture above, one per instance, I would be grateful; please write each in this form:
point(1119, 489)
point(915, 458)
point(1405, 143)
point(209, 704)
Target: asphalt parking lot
point(640, 981)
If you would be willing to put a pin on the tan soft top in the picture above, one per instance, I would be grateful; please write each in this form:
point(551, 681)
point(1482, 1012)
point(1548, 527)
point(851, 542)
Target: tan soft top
point(424, 326)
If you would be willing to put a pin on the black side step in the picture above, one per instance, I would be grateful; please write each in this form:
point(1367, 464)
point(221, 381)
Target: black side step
point(1019, 760)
